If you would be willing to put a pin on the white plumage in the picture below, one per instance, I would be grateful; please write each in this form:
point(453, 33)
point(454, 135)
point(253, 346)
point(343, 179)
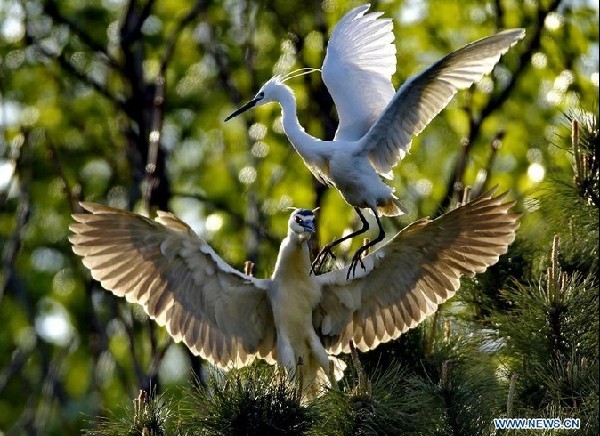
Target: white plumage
point(376, 123)
point(230, 318)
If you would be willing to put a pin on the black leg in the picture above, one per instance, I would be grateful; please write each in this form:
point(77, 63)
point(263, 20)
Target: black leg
point(326, 250)
point(357, 258)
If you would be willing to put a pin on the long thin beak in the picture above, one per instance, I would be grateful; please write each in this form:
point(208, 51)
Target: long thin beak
point(244, 108)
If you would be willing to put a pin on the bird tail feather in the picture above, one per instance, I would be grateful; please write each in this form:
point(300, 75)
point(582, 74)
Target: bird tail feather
point(392, 207)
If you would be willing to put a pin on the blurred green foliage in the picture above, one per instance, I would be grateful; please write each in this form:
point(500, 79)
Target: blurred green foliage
point(78, 82)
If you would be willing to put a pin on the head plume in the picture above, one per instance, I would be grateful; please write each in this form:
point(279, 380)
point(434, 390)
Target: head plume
point(296, 73)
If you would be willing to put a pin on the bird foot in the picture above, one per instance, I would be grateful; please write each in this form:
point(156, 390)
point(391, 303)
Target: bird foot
point(356, 260)
point(317, 265)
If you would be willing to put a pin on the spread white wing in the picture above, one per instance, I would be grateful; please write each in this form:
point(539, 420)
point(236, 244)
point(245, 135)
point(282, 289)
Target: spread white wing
point(424, 95)
point(219, 313)
point(407, 278)
point(358, 69)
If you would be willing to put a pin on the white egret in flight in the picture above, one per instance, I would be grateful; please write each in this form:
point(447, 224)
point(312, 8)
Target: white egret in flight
point(376, 123)
point(230, 318)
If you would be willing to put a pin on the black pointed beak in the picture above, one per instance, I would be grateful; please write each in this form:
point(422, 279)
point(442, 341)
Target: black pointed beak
point(244, 108)
point(309, 226)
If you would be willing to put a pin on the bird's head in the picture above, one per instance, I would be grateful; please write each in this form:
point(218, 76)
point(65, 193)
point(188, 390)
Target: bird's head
point(270, 91)
point(266, 94)
point(302, 223)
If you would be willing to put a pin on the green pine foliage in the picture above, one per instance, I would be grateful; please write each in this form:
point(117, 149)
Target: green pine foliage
point(147, 415)
point(482, 294)
point(256, 400)
point(550, 331)
point(384, 402)
point(570, 206)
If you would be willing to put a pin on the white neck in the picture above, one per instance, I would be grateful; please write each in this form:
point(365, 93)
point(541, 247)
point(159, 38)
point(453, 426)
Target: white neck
point(293, 260)
point(306, 145)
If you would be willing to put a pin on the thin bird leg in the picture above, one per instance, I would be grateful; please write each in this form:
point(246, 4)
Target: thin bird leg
point(326, 250)
point(357, 258)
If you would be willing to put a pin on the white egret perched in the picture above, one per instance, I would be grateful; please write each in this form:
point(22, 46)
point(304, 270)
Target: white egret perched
point(230, 318)
point(376, 123)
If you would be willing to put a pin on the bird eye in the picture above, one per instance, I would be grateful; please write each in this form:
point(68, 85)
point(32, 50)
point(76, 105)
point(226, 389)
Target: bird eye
point(298, 219)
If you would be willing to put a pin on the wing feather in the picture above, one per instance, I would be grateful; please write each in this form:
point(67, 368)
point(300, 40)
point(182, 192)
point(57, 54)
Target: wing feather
point(361, 57)
point(399, 320)
point(407, 278)
point(424, 95)
point(389, 322)
point(180, 282)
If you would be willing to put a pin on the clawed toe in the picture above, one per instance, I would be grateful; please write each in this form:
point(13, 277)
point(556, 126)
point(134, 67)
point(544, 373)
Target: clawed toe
point(317, 265)
point(356, 259)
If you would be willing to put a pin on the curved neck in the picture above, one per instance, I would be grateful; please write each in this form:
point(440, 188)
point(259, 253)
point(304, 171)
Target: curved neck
point(305, 144)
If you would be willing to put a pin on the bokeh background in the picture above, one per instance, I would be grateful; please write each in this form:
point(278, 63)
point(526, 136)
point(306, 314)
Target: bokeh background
point(122, 102)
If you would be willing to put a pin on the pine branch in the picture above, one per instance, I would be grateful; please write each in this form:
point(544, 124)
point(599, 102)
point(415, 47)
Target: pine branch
point(147, 415)
point(258, 399)
point(510, 399)
point(586, 165)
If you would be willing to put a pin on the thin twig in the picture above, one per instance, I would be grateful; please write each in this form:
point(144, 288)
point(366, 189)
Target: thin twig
point(53, 11)
point(187, 19)
point(55, 159)
point(158, 102)
point(151, 180)
point(456, 183)
point(481, 183)
point(30, 40)
point(13, 244)
point(137, 366)
point(239, 219)
point(13, 159)
point(18, 359)
point(131, 29)
point(71, 69)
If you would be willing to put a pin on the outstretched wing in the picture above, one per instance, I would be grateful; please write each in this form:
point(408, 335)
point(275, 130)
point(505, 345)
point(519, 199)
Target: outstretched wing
point(219, 313)
point(358, 68)
point(424, 95)
point(411, 275)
